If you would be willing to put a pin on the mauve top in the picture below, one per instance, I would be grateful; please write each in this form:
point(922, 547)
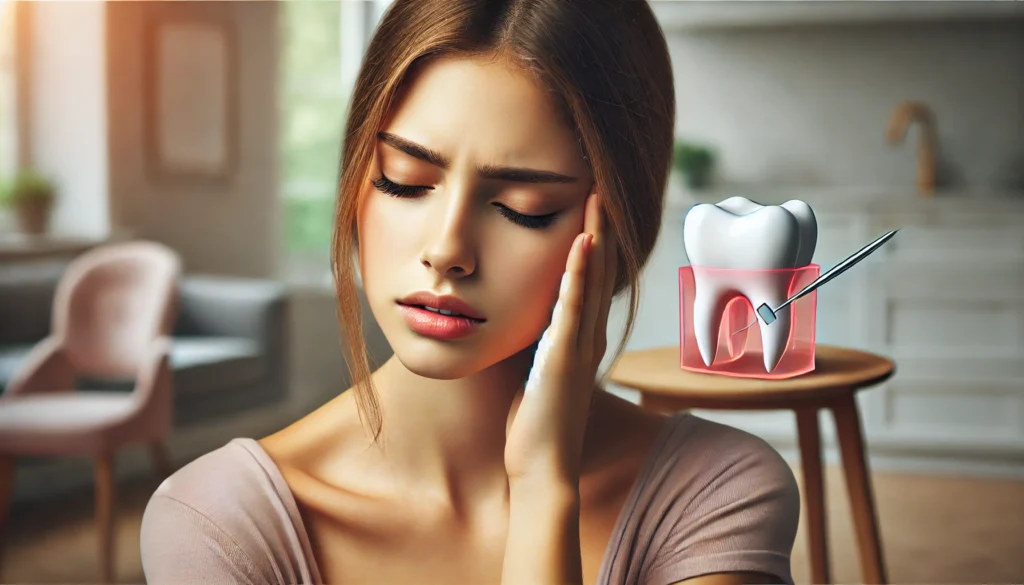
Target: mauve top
point(709, 499)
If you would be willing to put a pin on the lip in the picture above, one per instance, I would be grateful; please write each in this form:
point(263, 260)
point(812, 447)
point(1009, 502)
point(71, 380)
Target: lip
point(446, 302)
point(436, 325)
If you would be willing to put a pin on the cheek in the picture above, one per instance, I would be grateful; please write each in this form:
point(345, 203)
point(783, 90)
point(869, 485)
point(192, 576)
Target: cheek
point(376, 251)
point(529, 279)
point(383, 231)
point(531, 272)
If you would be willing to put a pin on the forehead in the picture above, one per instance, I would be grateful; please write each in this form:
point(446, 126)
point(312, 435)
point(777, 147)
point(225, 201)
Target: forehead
point(485, 109)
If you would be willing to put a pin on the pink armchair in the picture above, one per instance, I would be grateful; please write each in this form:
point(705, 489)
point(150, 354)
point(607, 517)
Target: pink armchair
point(112, 316)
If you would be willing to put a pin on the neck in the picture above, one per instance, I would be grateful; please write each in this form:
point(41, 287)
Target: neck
point(447, 437)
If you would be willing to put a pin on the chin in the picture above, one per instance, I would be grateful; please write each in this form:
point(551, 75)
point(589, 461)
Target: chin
point(448, 360)
point(438, 360)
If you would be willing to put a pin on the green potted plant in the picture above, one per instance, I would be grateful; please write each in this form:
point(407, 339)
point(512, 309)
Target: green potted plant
point(30, 195)
point(694, 162)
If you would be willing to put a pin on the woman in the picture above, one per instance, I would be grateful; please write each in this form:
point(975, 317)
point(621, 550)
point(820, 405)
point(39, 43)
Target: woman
point(500, 155)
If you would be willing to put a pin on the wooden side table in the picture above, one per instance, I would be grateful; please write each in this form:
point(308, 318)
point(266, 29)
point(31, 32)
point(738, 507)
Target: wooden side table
point(839, 373)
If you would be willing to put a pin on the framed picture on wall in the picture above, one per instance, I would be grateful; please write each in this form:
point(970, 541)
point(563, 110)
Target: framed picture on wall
point(191, 100)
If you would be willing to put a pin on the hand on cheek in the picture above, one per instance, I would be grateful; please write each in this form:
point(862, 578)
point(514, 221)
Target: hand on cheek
point(547, 434)
point(544, 347)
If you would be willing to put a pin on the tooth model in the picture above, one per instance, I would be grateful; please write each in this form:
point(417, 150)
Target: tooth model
point(754, 241)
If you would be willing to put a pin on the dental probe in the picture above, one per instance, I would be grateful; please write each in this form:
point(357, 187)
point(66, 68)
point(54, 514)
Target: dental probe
point(768, 315)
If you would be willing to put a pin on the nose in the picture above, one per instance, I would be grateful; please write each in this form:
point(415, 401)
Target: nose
point(450, 249)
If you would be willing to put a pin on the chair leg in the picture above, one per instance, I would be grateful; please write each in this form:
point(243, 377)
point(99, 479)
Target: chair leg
point(106, 494)
point(161, 461)
point(814, 493)
point(7, 470)
point(858, 484)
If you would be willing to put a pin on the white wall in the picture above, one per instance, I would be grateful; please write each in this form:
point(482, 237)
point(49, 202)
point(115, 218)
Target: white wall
point(808, 106)
point(219, 228)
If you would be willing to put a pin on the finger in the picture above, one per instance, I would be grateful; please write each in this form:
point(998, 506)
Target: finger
point(565, 318)
point(593, 224)
point(563, 325)
point(609, 268)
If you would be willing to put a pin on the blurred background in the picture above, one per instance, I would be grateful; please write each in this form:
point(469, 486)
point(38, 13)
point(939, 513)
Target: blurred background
point(214, 129)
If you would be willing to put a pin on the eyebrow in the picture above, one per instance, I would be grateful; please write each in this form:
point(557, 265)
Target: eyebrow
point(513, 174)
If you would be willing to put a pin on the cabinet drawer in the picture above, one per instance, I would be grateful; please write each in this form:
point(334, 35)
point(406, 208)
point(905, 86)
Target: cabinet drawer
point(962, 328)
point(990, 280)
point(977, 408)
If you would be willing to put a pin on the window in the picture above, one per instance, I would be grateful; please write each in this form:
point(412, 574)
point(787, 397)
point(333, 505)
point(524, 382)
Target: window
point(323, 45)
point(8, 118)
point(313, 107)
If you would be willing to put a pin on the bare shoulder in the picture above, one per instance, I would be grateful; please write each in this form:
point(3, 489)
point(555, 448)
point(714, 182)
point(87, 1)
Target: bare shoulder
point(325, 459)
point(320, 435)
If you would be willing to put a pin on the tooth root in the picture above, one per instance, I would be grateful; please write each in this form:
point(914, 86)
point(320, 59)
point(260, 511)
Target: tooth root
point(773, 290)
point(708, 307)
point(774, 338)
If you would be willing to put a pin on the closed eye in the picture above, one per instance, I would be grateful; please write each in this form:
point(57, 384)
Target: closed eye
point(527, 221)
point(389, 187)
point(386, 185)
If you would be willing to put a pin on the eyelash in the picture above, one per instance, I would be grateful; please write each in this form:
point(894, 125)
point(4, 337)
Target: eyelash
point(389, 187)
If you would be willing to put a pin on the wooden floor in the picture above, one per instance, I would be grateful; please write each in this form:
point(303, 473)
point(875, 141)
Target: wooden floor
point(934, 530)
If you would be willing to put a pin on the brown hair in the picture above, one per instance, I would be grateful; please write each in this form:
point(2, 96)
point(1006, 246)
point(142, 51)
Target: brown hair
point(606, 65)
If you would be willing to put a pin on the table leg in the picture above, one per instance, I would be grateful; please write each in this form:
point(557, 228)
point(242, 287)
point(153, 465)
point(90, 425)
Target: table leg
point(814, 492)
point(7, 468)
point(106, 497)
point(858, 484)
point(161, 461)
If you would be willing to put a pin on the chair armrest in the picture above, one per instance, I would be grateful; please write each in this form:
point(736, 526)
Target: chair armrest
point(153, 398)
point(152, 410)
point(45, 369)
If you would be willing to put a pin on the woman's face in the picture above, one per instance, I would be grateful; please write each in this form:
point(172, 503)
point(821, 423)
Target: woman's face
point(491, 191)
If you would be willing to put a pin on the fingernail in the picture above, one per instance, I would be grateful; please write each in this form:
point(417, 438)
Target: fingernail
point(589, 241)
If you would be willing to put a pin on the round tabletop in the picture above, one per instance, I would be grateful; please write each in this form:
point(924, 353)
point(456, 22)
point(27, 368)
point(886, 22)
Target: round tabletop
point(656, 374)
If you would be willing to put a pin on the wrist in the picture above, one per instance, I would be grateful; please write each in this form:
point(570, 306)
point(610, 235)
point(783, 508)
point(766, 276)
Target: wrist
point(543, 542)
point(547, 492)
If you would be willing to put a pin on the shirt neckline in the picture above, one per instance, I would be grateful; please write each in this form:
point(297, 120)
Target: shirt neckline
point(618, 533)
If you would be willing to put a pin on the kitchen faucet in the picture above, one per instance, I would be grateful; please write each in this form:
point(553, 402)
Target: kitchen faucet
point(904, 115)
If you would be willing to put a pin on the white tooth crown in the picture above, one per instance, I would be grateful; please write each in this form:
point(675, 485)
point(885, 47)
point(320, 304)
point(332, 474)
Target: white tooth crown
point(742, 248)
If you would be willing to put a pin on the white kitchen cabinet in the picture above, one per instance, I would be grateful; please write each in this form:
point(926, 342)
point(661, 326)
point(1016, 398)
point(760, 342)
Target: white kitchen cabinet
point(951, 314)
point(944, 299)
